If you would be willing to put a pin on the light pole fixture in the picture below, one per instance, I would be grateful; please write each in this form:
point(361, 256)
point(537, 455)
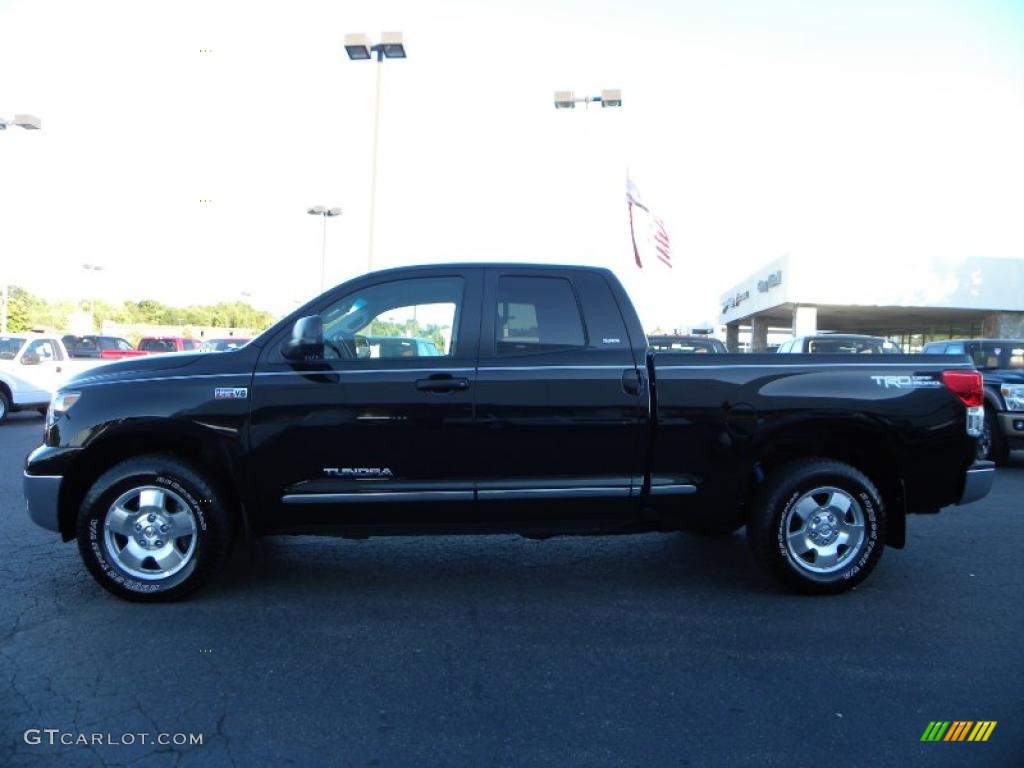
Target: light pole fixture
point(610, 97)
point(359, 48)
point(320, 210)
point(29, 122)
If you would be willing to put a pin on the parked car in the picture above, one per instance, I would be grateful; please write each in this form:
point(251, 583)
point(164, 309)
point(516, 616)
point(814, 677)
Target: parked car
point(686, 344)
point(1001, 362)
point(222, 345)
point(32, 366)
point(840, 344)
point(153, 345)
point(91, 346)
point(549, 415)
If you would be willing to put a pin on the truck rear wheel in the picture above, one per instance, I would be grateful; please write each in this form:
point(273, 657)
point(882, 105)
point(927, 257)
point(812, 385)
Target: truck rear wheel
point(5, 405)
point(152, 529)
point(818, 526)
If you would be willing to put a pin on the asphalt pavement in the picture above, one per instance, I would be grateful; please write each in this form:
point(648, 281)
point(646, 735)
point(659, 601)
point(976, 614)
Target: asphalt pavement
point(655, 650)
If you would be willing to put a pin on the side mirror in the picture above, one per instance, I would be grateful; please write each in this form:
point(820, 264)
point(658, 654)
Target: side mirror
point(307, 340)
point(30, 358)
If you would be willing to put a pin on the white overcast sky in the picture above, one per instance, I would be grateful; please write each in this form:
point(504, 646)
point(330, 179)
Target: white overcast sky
point(863, 134)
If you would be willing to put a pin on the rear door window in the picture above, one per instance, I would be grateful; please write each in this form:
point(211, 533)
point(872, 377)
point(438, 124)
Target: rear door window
point(537, 314)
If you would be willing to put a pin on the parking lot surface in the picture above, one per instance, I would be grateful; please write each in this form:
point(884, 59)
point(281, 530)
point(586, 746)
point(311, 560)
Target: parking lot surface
point(660, 650)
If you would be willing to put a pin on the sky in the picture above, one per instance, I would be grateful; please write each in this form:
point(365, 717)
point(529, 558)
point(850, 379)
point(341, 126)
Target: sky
point(864, 135)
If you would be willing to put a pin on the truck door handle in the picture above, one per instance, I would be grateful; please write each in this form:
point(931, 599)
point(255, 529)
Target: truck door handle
point(442, 383)
point(632, 382)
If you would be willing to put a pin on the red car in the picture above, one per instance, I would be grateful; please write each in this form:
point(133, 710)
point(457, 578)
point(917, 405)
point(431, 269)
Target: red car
point(153, 345)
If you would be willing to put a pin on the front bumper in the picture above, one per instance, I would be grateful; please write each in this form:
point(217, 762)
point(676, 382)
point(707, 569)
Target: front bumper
point(977, 481)
point(1011, 424)
point(41, 495)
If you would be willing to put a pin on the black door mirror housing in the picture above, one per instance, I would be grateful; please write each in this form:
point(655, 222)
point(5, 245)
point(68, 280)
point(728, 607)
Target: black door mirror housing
point(307, 340)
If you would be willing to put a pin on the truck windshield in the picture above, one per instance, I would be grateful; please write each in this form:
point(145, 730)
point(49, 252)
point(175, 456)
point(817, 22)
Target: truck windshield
point(998, 354)
point(9, 347)
point(691, 346)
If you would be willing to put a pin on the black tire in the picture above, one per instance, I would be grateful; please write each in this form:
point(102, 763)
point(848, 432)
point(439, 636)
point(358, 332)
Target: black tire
point(5, 405)
point(774, 540)
point(186, 491)
point(991, 444)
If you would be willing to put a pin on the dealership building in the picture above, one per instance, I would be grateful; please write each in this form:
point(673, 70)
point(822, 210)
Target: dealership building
point(911, 303)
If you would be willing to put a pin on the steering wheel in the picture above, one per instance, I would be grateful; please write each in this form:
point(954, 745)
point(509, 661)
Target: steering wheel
point(339, 346)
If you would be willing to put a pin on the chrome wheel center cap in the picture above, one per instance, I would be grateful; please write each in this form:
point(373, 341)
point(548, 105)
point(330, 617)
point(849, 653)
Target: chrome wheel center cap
point(151, 530)
point(823, 528)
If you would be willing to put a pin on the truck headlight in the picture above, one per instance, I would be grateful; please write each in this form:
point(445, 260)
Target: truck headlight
point(60, 404)
point(1013, 394)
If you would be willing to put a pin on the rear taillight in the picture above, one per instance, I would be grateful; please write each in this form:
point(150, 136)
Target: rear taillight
point(966, 385)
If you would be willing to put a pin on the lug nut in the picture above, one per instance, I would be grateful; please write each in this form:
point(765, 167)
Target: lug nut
point(158, 543)
point(165, 528)
point(151, 518)
point(138, 526)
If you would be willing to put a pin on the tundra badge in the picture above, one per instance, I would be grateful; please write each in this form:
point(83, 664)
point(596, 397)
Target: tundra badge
point(357, 472)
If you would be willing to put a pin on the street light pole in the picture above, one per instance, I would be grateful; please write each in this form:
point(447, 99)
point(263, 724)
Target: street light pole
point(609, 97)
point(358, 48)
point(95, 269)
point(29, 123)
point(373, 172)
point(319, 210)
point(323, 255)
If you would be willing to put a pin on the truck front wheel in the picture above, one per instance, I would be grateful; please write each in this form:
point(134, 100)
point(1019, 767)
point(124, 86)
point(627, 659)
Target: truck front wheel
point(991, 443)
point(152, 529)
point(818, 526)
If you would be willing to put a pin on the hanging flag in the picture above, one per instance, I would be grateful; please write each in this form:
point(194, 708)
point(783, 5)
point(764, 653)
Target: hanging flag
point(648, 231)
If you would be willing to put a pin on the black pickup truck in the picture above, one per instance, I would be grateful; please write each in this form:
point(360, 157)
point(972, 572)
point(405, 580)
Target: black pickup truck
point(545, 413)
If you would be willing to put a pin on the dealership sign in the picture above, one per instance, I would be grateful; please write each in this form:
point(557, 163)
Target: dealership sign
point(774, 279)
point(734, 301)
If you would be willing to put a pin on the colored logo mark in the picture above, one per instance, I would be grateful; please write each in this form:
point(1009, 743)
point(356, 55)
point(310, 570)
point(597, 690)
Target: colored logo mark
point(959, 730)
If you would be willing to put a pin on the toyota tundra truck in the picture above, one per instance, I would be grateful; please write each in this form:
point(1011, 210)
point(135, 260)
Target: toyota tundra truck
point(544, 413)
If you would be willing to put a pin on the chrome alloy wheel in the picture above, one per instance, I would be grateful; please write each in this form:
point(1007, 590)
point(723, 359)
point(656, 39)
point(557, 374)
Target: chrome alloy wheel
point(824, 530)
point(150, 533)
